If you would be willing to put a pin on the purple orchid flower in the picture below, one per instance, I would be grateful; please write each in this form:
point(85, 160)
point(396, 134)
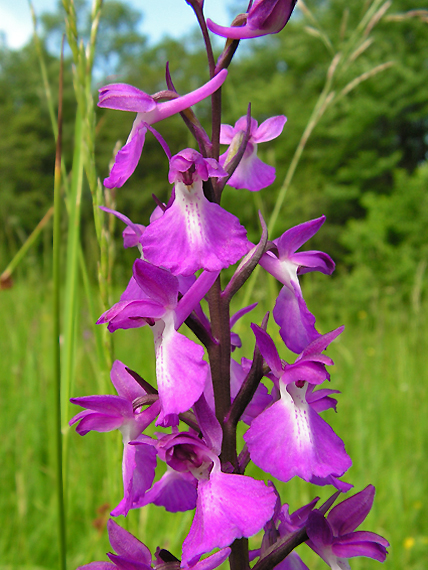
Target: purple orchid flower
point(263, 17)
point(290, 438)
point(194, 233)
point(228, 506)
point(333, 538)
point(177, 488)
point(297, 324)
point(106, 413)
point(251, 173)
point(124, 97)
point(283, 525)
point(152, 298)
point(132, 554)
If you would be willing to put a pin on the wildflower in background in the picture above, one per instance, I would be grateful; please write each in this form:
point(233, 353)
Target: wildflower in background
point(333, 538)
point(290, 438)
point(297, 324)
point(264, 17)
point(194, 233)
point(251, 173)
point(109, 412)
point(124, 97)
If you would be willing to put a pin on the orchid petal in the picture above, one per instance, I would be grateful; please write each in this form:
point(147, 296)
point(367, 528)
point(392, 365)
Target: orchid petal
point(126, 386)
point(268, 350)
point(159, 284)
point(175, 491)
point(124, 97)
point(313, 261)
point(125, 544)
point(127, 158)
point(180, 371)
point(251, 173)
point(108, 404)
point(289, 439)
point(138, 471)
point(295, 237)
point(356, 508)
point(296, 322)
point(95, 421)
point(216, 524)
point(269, 129)
point(369, 549)
point(194, 234)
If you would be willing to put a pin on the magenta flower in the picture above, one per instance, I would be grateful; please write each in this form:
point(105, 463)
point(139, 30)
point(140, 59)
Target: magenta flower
point(124, 97)
point(264, 17)
point(194, 233)
point(251, 173)
point(297, 324)
point(106, 413)
point(228, 506)
point(290, 438)
point(132, 554)
point(333, 538)
point(151, 298)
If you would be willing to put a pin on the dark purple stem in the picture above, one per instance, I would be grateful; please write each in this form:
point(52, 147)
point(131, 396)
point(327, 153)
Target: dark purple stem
point(248, 388)
point(247, 266)
point(219, 355)
point(197, 8)
point(225, 58)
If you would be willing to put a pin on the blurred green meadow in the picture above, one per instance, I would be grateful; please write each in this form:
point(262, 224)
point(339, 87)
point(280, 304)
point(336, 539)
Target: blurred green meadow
point(380, 368)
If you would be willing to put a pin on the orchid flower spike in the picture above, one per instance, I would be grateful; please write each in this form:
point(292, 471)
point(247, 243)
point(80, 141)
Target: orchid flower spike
point(124, 97)
point(251, 173)
point(264, 17)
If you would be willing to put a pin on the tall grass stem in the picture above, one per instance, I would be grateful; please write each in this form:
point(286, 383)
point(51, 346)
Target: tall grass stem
point(57, 328)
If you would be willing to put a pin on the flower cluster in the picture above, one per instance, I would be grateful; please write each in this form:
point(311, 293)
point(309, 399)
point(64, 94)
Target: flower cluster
point(201, 393)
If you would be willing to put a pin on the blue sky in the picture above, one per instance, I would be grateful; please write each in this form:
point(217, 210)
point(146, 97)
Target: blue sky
point(172, 17)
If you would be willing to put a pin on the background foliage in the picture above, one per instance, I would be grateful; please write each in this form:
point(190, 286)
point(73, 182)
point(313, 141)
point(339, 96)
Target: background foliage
point(363, 167)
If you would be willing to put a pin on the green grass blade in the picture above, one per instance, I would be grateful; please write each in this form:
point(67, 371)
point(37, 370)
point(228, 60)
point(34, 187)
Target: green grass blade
point(56, 331)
